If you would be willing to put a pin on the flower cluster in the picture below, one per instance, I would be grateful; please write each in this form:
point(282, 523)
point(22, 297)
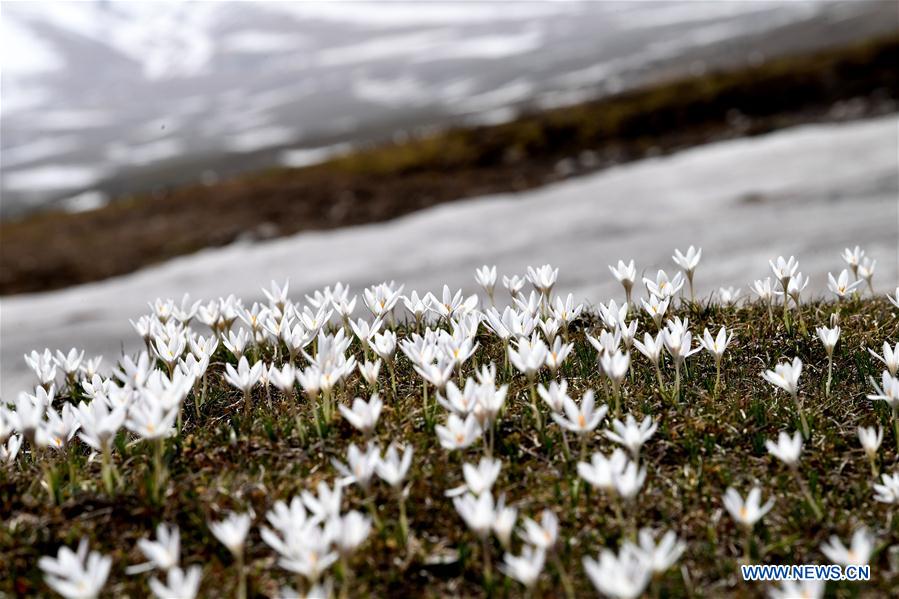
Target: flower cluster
point(313, 359)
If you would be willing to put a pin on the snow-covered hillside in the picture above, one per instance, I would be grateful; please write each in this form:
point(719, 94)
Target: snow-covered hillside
point(808, 191)
point(100, 98)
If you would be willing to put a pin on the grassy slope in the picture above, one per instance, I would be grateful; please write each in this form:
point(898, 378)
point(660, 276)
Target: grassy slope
point(704, 444)
point(53, 250)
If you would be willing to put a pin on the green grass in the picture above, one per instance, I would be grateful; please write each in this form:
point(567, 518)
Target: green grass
point(226, 461)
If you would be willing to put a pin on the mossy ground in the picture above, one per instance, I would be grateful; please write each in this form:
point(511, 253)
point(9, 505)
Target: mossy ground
point(226, 460)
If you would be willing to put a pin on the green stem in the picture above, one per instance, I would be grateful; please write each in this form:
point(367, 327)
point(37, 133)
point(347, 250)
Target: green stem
point(107, 467)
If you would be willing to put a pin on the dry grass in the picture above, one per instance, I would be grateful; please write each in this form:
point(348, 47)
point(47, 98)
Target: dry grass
point(224, 460)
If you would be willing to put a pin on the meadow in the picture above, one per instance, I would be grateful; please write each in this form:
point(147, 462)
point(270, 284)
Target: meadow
point(508, 443)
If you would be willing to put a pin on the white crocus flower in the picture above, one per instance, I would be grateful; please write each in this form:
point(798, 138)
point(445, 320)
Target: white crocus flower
point(179, 584)
point(544, 535)
point(76, 575)
point(798, 589)
point(364, 415)
point(631, 435)
point(890, 357)
point(857, 554)
point(458, 433)
point(525, 568)
point(622, 576)
point(392, 468)
point(626, 274)
point(163, 553)
point(840, 285)
point(786, 376)
point(787, 449)
point(554, 396)
point(748, 512)
point(486, 278)
point(870, 439)
point(601, 471)
point(478, 479)
point(688, 262)
point(232, 532)
point(888, 490)
point(866, 273)
point(663, 555)
point(580, 419)
point(477, 512)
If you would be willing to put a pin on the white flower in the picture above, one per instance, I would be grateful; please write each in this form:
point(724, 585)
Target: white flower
point(623, 576)
point(544, 535)
point(688, 261)
point(625, 274)
point(629, 480)
point(244, 377)
point(458, 433)
point(392, 469)
point(651, 347)
point(149, 419)
point(656, 307)
point(580, 419)
point(632, 435)
point(663, 555)
point(99, 423)
point(888, 492)
point(486, 278)
point(601, 471)
point(236, 343)
point(787, 448)
point(352, 529)
point(543, 278)
point(525, 568)
point(477, 512)
point(163, 553)
point(364, 415)
point(798, 589)
point(360, 466)
point(232, 531)
point(664, 287)
point(828, 337)
point(513, 284)
point(853, 257)
point(478, 479)
point(555, 395)
point(784, 269)
point(180, 584)
point(888, 392)
point(529, 357)
point(866, 270)
point(890, 357)
point(763, 289)
point(717, 345)
point(870, 440)
point(840, 286)
point(325, 503)
point(558, 353)
point(10, 450)
point(615, 365)
point(504, 522)
point(748, 512)
point(283, 378)
point(71, 362)
point(76, 575)
point(894, 299)
point(858, 553)
point(785, 375)
point(728, 295)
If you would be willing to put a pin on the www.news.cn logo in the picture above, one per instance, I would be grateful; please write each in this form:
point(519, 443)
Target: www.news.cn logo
point(805, 572)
